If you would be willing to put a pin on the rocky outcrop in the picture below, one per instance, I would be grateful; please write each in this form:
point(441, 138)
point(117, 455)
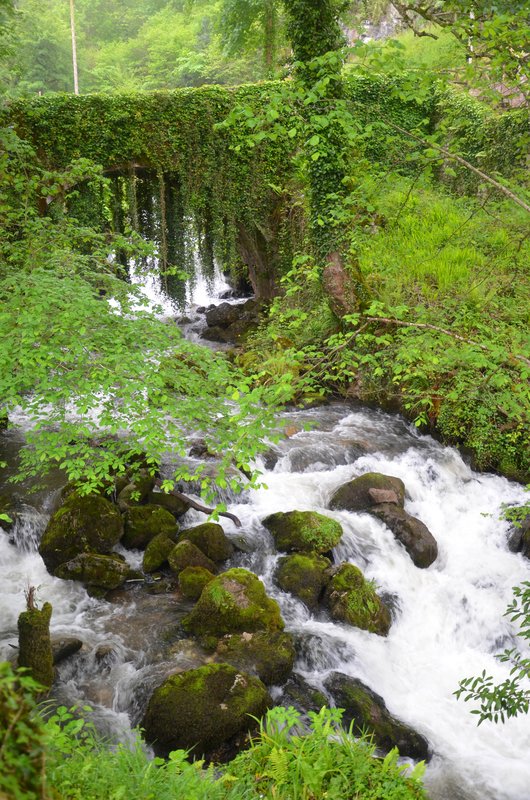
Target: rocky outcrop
point(302, 696)
point(369, 714)
point(304, 576)
point(83, 524)
point(210, 538)
point(231, 322)
point(351, 598)
point(201, 709)
point(519, 537)
point(268, 655)
point(367, 491)
point(234, 602)
point(92, 569)
point(416, 538)
point(303, 531)
point(143, 523)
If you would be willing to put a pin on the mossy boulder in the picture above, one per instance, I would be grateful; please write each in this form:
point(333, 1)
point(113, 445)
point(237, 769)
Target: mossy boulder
point(303, 531)
point(352, 599)
point(268, 655)
point(157, 552)
point(369, 490)
point(201, 709)
point(186, 554)
point(34, 643)
point(192, 581)
point(233, 602)
point(210, 538)
point(302, 696)
point(83, 524)
point(368, 712)
point(175, 505)
point(416, 538)
point(137, 491)
point(143, 523)
point(304, 576)
point(92, 569)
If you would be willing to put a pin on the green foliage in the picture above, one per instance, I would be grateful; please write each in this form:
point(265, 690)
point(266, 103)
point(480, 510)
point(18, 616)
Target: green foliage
point(499, 702)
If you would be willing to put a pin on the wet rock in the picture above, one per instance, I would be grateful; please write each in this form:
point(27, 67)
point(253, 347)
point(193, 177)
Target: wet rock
point(304, 576)
point(175, 505)
point(268, 655)
point(367, 491)
point(83, 524)
point(417, 539)
point(64, 647)
point(303, 531)
point(192, 581)
point(186, 554)
point(230, 322)
point(234, 602)
point(34, 644)
point(203, 708)
point(519, 536)
point(92, 569)
point(352, 599)
point(136, 492)
point(368, 712)
point(143, 523)
point(300, 694)
point(210, 538)
point(157, 552)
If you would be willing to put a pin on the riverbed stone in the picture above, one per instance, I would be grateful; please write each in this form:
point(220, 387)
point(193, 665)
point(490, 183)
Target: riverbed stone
point(192, 581)
point(83, 524)
point(175, 505)
point(367, 711)
point(157, 552)
point(93, 569)
point(143, 523)
point(297, 692)
point(136, 492)
point(303, 531)
point(304, 576)
point(186, 554)
point(211, 539)
point(413, 534)
point(65, 646)
point(368, 490)
point(234, 602)
point(352, 599)
point(269, 655)
point(201, 709)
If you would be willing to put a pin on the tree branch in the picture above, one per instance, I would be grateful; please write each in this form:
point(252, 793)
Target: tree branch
point(198, 506)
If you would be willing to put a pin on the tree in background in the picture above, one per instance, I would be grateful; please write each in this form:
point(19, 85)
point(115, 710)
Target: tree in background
point(246, 24)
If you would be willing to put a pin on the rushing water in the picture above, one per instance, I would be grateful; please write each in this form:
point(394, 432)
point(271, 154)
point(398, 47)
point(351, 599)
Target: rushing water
point(447, 620)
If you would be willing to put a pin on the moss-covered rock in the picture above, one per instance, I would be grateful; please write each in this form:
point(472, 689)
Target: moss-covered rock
point(303, 531)
point(186, 554)
point(136, 492)
point(143, 523)
point(192, 581)
point(369, 490)
point(268, 655)
point(83, 524)
point(234, 602)
point(34, 642)
point(175, 505)
point(416, 538)
point(304, 576)
point(368, 712)
point(92, 569)
point(157, 552)
point(302, 696)
point(200, 709)
point(352, 599)
point(210, 538)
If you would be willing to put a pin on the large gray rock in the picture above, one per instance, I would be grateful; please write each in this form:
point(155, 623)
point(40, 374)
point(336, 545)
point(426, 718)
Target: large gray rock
point(93, 569)
point(368, 713)
point(369, 490)
point(417, 539)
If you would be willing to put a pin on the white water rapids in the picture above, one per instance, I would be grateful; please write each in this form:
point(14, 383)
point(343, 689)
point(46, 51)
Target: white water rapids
point(447, 620)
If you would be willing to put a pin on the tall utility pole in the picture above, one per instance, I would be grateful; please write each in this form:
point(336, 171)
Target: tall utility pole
point(74, 48)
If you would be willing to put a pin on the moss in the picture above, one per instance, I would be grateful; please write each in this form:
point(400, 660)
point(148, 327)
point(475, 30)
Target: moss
point(211, 539)
point(234, 602)
point(102, 572)
point(173, 504)
point(136, 492)
point(157, 551)
point(35, 647)
point(185, 554)
point(192, 581)
point(143, 523)
point(83, 524)
point(303, 531)
point(369, 490)
point(304, 576)
point(268, 655)
point(353, 599)
point(202, 708)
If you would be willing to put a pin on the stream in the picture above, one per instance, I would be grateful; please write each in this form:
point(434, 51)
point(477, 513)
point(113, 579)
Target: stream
point(447, 620)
